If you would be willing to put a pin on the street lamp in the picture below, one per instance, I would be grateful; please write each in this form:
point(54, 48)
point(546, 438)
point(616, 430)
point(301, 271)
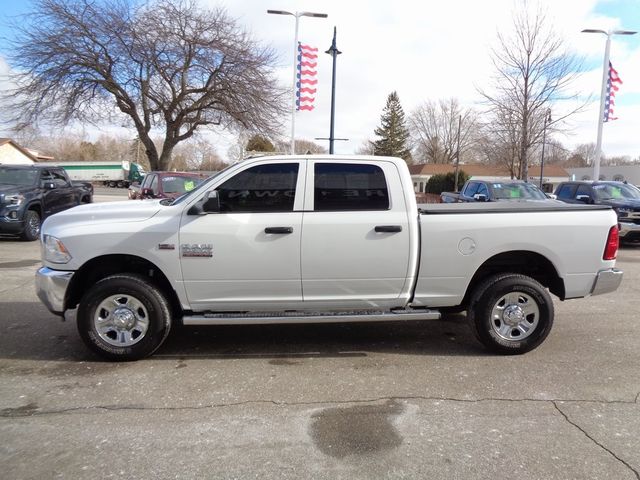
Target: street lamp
point(603, 92)
point(334, 52)
point(297, 16)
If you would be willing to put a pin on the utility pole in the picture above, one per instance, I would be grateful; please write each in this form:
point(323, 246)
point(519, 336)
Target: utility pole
point(455, 181)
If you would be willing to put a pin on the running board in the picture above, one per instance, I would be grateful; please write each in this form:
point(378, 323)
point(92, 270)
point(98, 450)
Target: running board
point(300, 317)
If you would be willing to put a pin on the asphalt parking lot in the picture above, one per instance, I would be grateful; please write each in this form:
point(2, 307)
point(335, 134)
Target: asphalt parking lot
point(397, 400)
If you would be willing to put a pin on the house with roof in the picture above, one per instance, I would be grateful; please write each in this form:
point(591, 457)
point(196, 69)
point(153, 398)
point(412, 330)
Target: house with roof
point(552, 174)
point(13, 154)
point(619, 173)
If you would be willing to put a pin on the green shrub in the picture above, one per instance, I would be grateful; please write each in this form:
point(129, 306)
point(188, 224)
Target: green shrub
point(445, 182)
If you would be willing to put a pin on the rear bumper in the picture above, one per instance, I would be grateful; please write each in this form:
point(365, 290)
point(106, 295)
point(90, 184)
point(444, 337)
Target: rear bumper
point(51, 288)
point(607, 281)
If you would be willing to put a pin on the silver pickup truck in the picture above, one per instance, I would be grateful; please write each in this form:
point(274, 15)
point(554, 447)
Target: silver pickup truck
point(307, 239)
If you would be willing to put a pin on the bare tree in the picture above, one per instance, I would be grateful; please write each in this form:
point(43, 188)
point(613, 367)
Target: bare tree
point(434, 130)
point(499, 142)
point(197, 153)
point(303, 147)
point(165, 64)
point(533, 69)
point(367, 147)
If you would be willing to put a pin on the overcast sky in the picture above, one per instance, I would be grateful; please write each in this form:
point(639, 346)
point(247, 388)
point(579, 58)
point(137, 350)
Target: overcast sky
point(431, 51)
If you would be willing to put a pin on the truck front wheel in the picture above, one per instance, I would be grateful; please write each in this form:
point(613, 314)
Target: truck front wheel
point(511, 314)
point(124, 317)
point(31, 226)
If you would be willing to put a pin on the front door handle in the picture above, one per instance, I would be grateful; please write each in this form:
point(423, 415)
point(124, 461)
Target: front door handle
point(278, 230)
point(388, 228)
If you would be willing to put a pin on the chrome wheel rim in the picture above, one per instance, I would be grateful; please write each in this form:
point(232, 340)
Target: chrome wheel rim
point(515, 316)
point(34, 225)
point(121, 320)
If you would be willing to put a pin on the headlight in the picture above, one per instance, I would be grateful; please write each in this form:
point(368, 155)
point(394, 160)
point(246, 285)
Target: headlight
point(54, 250)
point(16, 199)
point(625, 210)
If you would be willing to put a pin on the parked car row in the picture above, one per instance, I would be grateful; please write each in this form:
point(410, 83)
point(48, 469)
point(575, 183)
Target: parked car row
point(498, 190)
point(622, 197)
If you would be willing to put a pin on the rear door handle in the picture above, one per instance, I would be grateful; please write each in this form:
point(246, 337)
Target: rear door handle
point(278, 230)
point(388, 228)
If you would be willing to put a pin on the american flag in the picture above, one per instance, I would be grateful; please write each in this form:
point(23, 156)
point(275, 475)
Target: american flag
point(609, 100)
point(307, 81)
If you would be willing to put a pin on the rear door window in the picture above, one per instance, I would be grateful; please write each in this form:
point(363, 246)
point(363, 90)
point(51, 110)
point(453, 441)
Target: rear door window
point(584, 190)
point(349, 187)
point(566, 191)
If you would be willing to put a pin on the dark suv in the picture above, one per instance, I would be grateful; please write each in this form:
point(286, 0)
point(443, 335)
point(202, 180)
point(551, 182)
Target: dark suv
point(622, 197)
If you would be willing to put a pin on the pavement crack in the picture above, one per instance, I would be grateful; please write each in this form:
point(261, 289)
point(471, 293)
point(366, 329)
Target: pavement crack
point(586, 434)
point(33, 412)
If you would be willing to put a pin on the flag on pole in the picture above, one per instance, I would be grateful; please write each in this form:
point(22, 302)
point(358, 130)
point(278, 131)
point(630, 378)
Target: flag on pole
point(609, 100)
point(307, 81)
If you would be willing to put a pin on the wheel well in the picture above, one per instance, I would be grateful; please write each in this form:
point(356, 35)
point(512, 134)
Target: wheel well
point(523, 262)
point(36, 208)
point(101, 267)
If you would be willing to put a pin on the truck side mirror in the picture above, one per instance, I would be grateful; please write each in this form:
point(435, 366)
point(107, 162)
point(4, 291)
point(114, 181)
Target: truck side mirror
point(211, 202)
point(583, 198)
point(49, 185)
point(480, 197)
point(147, 192)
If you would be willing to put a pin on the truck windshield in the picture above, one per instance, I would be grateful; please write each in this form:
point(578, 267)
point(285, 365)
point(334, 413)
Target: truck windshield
point(198, 187)
point(517, 191)
point(179, 184)
point(612, 191)
point(15, 176)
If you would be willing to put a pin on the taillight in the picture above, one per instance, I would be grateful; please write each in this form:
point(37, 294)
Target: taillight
point(611, 248)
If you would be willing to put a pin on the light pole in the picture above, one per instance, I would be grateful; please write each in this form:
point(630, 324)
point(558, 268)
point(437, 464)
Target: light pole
point(603, 92)
point(297, 16)
point(547, 120)
point(334, 52)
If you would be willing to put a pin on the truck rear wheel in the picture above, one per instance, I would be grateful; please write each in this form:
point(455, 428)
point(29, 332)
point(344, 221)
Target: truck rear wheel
point(511, 314)
point(31, 230)
point(124, 317)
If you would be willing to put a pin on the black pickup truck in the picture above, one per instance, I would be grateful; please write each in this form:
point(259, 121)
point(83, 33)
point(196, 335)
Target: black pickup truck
point(30, 193)
point(494, 191)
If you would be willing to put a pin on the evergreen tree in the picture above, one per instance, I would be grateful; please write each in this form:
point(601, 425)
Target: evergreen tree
point(261, 144)
point(392, 131)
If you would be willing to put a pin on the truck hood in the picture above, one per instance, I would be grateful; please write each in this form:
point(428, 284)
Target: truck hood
point(6, 189)
point(623, 203)
point(109, 212)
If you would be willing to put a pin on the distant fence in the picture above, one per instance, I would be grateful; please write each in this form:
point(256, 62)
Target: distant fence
point(428, 198)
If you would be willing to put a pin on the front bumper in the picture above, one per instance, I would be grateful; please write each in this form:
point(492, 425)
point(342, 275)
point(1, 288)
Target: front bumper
point(607, 281)
point(629, 232)
point(51, 288)
point(11, 226)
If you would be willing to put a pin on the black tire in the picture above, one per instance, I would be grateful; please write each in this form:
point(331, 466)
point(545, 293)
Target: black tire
point(511, 314)
point(132, 298)
point(32, 226)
